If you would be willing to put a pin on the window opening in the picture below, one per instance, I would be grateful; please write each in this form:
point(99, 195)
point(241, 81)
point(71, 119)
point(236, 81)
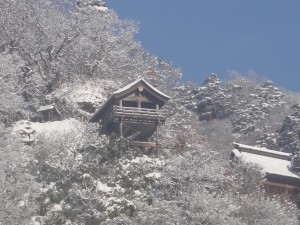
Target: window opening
point(148, 105)
point(132, 104)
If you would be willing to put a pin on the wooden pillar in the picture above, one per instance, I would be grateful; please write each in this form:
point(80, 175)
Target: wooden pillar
point(121, 121)
point(121, 128)
point(157, 129)
point(157, 133)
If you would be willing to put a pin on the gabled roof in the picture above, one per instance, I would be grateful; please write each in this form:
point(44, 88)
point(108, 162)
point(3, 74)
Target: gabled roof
point(141, 80)
point(273, 163)
point(126, 90)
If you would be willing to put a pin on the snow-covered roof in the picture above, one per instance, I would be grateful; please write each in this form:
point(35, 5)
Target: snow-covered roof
point(270, 163)
point(263, 151)
point(146, 83)
point(45, 108)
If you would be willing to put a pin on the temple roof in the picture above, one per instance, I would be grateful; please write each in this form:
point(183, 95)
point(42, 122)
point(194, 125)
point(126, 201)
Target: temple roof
point(141, 80)
point(272, 162)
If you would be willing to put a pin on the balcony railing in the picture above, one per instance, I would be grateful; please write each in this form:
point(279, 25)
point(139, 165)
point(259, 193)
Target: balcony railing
point(143, 113)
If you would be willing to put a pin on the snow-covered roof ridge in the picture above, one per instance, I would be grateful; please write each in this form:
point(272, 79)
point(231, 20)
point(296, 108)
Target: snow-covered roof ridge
point(147, 84)
point(263, 151)
point(46, 107)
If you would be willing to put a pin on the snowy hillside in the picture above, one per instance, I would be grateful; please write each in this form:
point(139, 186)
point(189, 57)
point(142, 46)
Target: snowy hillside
point(66, 172)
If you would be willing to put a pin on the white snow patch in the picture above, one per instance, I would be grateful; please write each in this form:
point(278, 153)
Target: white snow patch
point(101, 8)
point(117, 203)
point(124, 164)
point(137, 193)
point(85, 175)
point(56, 208)
point(57, 126)
point(21, 203)
point(34, 220)
point(146, 159)
point(236, 152)
point(48, 187)
point(139, 160)
point(103, 187)
point(95, 93)
point(47, 200)
point(154, 175)
point(110, 200)
point(119, 188)
point(30, 129)
point(78, 157)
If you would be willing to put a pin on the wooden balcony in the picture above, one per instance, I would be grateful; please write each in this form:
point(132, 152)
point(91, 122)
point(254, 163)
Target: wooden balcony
point(138, 114)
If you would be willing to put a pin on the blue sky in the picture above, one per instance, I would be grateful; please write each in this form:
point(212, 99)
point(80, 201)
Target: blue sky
point(215, 36)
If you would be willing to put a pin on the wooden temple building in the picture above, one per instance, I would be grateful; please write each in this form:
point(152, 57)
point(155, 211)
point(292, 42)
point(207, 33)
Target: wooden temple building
point(133, 112)
point(49, 113)
point(280, 180)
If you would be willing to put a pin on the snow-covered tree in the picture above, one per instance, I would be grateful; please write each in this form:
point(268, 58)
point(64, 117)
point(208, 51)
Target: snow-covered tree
point(213, 99)
point(12, 106)
point(18, 188)
point(288, 139)
point(254, 107)
point(88, 42)
point(254, 102)
point(54, 51)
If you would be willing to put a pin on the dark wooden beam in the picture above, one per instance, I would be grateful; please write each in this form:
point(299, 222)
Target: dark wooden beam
point(144, 144)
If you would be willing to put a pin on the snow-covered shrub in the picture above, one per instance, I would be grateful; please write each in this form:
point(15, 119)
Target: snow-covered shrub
point(87, 178)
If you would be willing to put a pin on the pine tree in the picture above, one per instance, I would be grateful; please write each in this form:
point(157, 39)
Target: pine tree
point(213, 100)
point(289, 133)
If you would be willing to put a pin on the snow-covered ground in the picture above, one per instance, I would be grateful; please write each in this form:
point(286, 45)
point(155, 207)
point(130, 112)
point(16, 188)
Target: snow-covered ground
point(29, 130)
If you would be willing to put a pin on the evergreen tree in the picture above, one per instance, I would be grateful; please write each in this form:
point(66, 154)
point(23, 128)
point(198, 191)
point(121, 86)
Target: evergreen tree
point(213, 100)
point(289, 133)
